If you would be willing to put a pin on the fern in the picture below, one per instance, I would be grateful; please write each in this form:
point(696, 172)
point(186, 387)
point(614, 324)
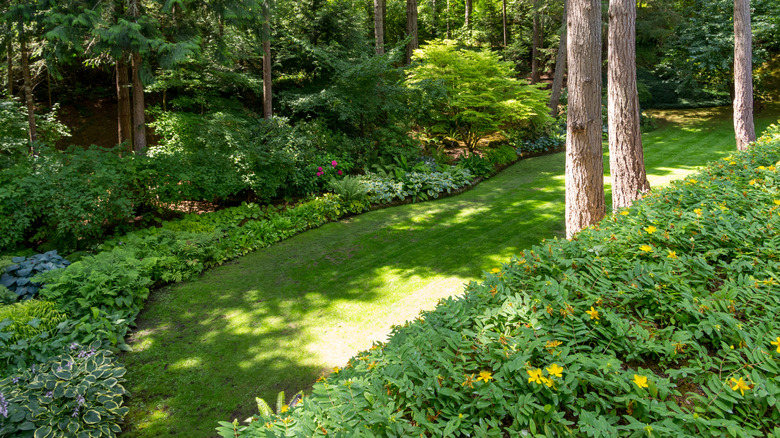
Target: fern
point(350, 189)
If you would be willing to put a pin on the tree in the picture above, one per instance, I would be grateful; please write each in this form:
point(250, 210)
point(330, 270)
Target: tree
point(477, 92)
point(503, 22)
point(584, 169)
point(267, 77)
point(626, 158)
point(743, 76)
point(560, 65)
point(535, 44)
point(469, 13)
point(379, 26)
point(411, 29)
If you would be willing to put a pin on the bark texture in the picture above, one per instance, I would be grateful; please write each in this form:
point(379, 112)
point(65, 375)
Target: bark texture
point(25, 55)
point(411, 29)
point(379, 27)
point(267, 77)
point(626, 158)
point(560, 65)
point(469, 10)
point(139, 114)
point(124, 105)
point(743, 76)
point(536, 42)
point(584, 169)
point(449, 33)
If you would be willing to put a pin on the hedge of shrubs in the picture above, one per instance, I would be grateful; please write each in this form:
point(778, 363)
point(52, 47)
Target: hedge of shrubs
point(659, 321)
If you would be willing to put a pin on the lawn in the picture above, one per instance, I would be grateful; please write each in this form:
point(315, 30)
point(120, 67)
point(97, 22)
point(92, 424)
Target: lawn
point(279, 318)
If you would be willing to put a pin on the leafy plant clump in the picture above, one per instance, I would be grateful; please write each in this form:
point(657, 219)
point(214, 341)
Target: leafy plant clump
point(17, 277)
point(75, 394)
point(661, 321)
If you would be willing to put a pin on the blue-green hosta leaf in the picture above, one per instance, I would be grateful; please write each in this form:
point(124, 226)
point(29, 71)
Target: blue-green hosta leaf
point(24, 272)
point(7, 280)
point(43, 432)
point(92, 417)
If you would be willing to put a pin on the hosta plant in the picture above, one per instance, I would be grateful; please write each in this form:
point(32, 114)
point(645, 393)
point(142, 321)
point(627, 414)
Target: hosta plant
point(18, 276)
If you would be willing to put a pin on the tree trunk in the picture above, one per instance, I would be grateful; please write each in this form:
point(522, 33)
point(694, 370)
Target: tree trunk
point(449, 33)
point(626, 158)
point(28, 92)
point(743, 76)
point(584, 169)
point(10, 56)
point(535, 47)
point(139, 115)
point(560, 66)
point(503, 19)
point(411, 29)
point(469, 10)
point(434, 19)
point(379, 27)
point(124, 105)
point(267, 77)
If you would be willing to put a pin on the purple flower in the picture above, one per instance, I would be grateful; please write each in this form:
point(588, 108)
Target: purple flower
point(334, 163)
point(74, 346)
point(50, 394)
point(3, 406)
point(80, 400)
point(16, 380)
point(340, 172)
point(84, 354)
point(75, 412)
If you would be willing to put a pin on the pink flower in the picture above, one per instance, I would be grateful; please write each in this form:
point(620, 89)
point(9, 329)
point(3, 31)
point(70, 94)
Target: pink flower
point(320, 169)
point(334, 163)
point(340, 173)
point(320, 173)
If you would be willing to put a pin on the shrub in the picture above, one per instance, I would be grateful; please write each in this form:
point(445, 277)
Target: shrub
point(659, 320)
point(27, 319)
point(75, 394)
point(349, 189)
point(17, 276)
point(477, 165)
point(501, 155)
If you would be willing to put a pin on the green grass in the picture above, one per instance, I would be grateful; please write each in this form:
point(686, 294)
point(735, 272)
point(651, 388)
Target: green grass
point(283, 316)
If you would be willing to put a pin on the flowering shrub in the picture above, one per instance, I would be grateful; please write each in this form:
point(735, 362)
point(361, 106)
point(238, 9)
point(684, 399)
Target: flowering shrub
point(659, 321)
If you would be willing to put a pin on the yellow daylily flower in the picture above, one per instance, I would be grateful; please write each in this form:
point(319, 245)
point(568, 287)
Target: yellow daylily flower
point(641, 381)
point(646, 248)
point(535, 376)
point(594, 314)
point(651, 229)
point(485, 376)
point(739, 385)
point(777, 342)
point(555, 370)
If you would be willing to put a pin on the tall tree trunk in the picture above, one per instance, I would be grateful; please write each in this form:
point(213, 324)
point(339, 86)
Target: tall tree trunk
point(535, 46)
point(449, 33)
point(469, 10)
point(28, 92)
point(124, 105)
point(435, 19)
point(584, 169)
point(379, 27)
point(626, 158)
point(268, 108)
point(560, 65)
point(10, 57)
point(139, 114)
point(411, 29)
point(744, 128)
point(503, 20)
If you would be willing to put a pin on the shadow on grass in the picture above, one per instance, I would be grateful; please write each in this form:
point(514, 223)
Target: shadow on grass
point(279, 318)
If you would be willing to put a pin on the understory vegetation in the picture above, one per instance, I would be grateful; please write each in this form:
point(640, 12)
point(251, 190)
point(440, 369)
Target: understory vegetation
point(659, 320)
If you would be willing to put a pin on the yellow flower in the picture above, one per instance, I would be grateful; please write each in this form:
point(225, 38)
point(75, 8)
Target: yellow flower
point(771, 168)
point(624, 212)
point(672, 255)
point(651, 229)
point(697, 211)
point(594, 314)
point(777, 201)
point(761, 168)
point(552, 344)
point(547, 381)
point(739, 385)
point(752, 182)
point(469, 381)
point(285, 408)
point(486, 376)
point(692, 181)
point(336, 369)
point(641, 381)
point(496, 270)
point(646, 248)
point(555, 370)
point(777, 342)
point(535, 376)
